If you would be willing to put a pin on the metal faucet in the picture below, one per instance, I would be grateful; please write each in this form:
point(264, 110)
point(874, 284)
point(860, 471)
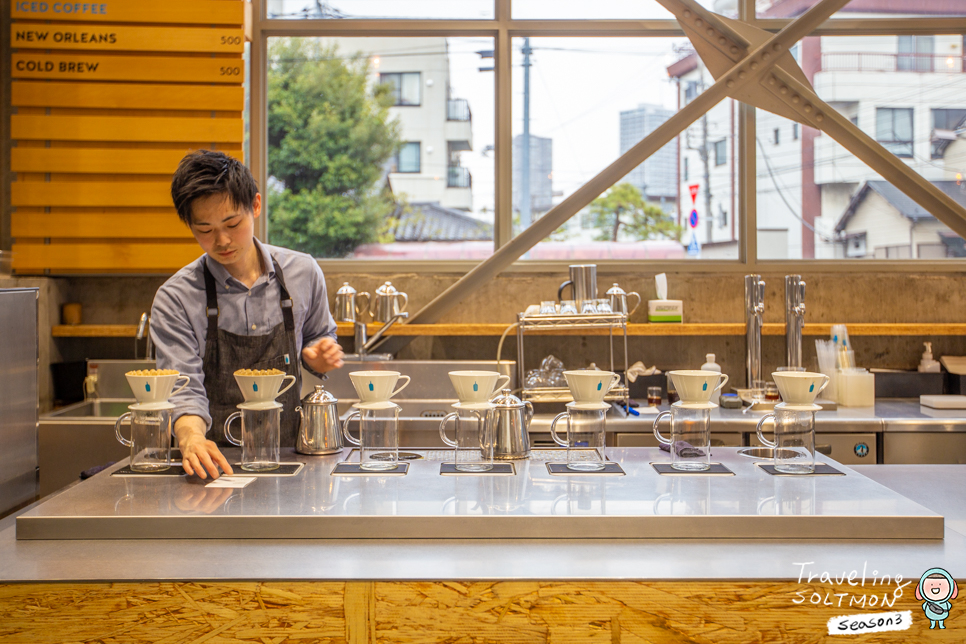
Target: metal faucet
point(144, 329)
point(754, 308)
point(794, 319)
point(364, 344)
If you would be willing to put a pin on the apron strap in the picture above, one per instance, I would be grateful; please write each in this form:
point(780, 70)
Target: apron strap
point(285, 300)
point(211, 306)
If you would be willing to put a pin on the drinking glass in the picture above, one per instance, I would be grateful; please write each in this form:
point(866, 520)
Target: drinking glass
point(260, 435)
point(378, 435)
point(150, 441)
point(654, 396)
point(794, 443)
point(588, 307)
point(603, 306)
point(757, 391)
point(690, 442)
point(548, 307)
point(771, 392)
point(474, 442)
point(585, 438)
point(568, 307)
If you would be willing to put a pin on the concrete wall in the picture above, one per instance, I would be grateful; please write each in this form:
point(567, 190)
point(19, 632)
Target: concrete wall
point(830, 298)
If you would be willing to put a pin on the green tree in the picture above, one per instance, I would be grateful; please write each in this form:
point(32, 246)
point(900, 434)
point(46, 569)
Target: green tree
point(329, 138)
point(623, 213)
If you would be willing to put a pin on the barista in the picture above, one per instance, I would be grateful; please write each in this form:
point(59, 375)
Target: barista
point(241, 305)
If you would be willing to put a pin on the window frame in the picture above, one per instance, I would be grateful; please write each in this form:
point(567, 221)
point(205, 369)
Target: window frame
point(502, 28)
point(419, 158)
point(886, 143)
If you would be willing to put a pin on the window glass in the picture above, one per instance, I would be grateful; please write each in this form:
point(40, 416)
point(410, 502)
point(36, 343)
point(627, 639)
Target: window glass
point(380, 148)
point(375, 9)
point(592, 99)
point(865, 8)
point(600, 10)
point(893, 129)
point(405, 87)
point(408, 158)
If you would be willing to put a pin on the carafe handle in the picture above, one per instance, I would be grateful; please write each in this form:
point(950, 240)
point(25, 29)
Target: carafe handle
point(117, 429)
point(657, 432)
point(553, 428)
point(761, 436)
point(345, 428)
point(442, 428)
point(228, 436)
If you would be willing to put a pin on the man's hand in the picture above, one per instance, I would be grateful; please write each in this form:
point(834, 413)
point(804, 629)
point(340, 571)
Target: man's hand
point(324, 355)
point(198, 453)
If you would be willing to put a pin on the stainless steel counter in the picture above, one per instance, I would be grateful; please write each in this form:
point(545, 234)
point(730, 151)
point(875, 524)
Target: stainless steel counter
point(938, 487)
point(531, 503)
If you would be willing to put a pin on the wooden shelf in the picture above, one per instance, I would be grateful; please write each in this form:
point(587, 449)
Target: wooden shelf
point(659, 330)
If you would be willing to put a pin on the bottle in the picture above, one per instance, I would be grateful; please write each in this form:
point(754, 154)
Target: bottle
point(928, 365)
point(711, 365)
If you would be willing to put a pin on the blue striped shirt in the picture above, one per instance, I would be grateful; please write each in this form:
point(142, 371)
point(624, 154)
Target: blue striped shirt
point(179, 325)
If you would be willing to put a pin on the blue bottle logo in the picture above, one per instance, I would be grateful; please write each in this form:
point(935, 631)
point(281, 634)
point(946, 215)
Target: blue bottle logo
point(600, 385)
point(371, 388)
point(704, 387)
point(147, 387)
point(811, 388)
point(476, 387)
point(254, 386)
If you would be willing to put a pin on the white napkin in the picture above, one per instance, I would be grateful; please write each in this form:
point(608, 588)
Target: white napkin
point(660, 283)
point(638, 369)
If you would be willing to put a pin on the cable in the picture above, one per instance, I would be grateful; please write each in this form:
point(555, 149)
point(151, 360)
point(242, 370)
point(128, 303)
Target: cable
point(499, 347)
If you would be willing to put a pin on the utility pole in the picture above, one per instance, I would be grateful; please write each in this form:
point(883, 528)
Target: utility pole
point(525, 201)
point(705, 154)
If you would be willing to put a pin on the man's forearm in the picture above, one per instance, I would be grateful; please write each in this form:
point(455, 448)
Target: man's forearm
point(188, 427)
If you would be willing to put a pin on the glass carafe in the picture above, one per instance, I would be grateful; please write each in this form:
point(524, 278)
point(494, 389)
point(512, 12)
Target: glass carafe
point(474, 443)
point(150, 440)
point(585, 435)
point(794, 444)
point(378, 435)
point(690, 442)
point(260, 423)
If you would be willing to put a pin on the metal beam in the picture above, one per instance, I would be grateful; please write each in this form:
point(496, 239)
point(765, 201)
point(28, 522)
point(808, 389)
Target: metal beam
point(759, 59)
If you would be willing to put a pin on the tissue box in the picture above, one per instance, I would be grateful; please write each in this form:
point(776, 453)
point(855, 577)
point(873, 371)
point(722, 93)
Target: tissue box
point(665, 311)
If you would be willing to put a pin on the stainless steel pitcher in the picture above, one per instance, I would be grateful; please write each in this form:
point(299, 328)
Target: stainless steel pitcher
point(386, 303)
point(319, 428)
point(583, 281)
point(512, 420)
point(347, 304)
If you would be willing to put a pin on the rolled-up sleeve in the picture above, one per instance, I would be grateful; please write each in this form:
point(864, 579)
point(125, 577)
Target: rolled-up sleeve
point(178, 347)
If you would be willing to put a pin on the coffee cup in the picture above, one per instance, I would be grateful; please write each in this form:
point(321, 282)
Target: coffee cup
point(477, 386)
point(696, 386)
point(376, 386)
point(155, 389)
point(590, 385)
point(800, 387)
point(264, 388)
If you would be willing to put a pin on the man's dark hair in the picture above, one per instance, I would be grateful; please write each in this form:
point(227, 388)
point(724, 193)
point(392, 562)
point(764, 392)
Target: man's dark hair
point(206, 172)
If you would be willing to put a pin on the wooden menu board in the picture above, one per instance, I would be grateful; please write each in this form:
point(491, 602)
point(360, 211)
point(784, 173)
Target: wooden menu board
point(108, 97)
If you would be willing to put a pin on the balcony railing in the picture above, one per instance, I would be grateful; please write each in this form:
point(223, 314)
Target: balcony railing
point(458, 109)
point(458, 177)
point(871, 62)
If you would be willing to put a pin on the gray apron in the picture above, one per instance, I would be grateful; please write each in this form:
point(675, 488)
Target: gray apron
point(227, 352)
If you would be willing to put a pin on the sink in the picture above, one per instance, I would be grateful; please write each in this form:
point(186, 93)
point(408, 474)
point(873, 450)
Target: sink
point(99, 408)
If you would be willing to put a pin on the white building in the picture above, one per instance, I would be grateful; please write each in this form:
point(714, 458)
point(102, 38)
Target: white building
point(656, 177)
point(541, 173)
point(907, 92)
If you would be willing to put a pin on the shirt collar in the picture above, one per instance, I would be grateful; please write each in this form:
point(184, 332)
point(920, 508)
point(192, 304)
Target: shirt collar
point(224, 278)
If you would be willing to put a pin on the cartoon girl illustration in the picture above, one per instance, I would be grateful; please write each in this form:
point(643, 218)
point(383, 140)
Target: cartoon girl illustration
point(936, 588)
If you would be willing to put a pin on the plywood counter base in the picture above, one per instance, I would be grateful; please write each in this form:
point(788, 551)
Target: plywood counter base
point(359, 612)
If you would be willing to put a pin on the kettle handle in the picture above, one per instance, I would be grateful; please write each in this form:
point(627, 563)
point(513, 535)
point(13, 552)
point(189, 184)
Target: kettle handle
point(529, 412)
point(405, 302)
point(362, 309)
point(638, 296)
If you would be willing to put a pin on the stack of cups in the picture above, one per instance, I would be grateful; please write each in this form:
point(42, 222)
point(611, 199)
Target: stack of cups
point(585, 416)
point(794, 417)
point(150, 418)
point(261, 418)
point(690, 442)
point(378, 419)
point(475, 426)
